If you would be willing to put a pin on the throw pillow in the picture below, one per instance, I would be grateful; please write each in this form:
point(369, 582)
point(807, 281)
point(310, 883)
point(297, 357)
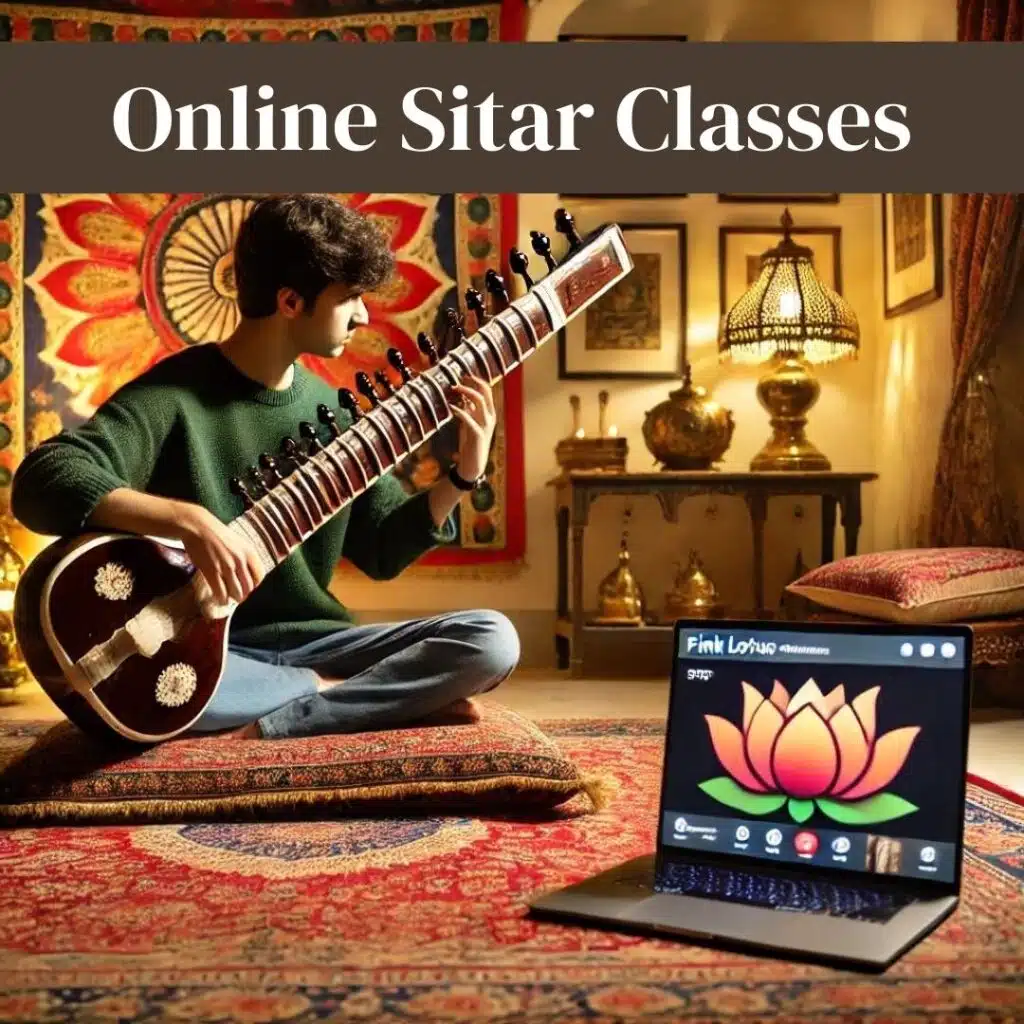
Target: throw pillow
point(920, 584)
point(56, 773)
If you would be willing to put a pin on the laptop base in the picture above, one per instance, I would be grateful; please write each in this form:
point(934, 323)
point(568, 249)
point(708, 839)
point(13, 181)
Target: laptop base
point(624, 898)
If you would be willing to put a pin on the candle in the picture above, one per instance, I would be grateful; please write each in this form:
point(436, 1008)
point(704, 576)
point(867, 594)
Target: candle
point(613, 431)
point(581, 432)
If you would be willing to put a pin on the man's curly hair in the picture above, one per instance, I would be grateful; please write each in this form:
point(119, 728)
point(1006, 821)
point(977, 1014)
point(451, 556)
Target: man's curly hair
point(306, 242)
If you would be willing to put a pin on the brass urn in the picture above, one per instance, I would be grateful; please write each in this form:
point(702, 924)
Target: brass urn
point(694, 595)
point(620, 599)
point(688, 430)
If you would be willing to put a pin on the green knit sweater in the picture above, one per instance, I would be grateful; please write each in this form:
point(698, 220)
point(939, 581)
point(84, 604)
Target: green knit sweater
point(182, 430)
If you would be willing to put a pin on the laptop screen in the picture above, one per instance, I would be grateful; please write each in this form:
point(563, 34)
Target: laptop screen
point(831, 746)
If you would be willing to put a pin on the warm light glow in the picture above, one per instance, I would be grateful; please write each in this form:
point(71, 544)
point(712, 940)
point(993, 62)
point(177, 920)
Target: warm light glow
point(789, 304)
point(581, 432)
point(6, 600)
point(613, 431)
point(789, 310)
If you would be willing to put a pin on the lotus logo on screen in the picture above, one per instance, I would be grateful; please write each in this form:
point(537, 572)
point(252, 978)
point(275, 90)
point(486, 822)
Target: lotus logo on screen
point(810, 750)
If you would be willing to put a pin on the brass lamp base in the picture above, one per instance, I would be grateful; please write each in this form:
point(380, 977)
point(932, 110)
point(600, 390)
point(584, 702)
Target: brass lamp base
point(788, 391)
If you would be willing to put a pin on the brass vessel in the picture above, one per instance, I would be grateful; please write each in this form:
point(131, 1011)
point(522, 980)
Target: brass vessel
point(788, 391)
point(620, 599)
point(694, 594)
point(688, 430)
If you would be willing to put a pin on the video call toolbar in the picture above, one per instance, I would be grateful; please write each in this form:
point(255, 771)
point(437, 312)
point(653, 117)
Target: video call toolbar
point(821, 847)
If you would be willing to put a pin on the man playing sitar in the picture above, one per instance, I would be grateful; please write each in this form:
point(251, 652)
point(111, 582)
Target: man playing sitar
point(165, 457)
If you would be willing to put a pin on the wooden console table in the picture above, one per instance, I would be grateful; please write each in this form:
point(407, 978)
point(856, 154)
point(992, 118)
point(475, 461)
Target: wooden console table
point(575, 491)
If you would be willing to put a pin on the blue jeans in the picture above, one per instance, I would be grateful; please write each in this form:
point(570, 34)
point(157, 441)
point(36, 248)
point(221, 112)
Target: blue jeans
point(391, 674)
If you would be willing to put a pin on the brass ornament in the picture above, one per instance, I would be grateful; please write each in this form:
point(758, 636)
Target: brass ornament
point(620, 598)
point(694, 594)
point(688, 430)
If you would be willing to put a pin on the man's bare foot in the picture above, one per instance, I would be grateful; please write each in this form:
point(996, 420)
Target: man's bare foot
point(251, 731)
point(460, 712)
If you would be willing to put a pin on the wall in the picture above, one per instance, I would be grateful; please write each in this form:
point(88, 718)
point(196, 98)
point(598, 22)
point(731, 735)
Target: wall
point(899, 373)
point(915, 368)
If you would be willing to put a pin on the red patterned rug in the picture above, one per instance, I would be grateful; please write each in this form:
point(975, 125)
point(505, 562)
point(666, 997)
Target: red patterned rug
point(424, 920)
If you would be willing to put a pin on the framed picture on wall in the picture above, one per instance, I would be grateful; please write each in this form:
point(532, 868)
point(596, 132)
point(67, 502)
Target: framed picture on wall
point(778, 197)
point(637, 329)
point(911, 250)
point(740, 250)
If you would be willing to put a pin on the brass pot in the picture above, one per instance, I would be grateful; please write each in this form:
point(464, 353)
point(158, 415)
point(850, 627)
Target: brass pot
point(694, 595)
point(620, 598)
point(688, 430)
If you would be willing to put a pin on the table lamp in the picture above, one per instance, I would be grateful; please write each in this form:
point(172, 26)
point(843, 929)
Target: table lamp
point(792, 319)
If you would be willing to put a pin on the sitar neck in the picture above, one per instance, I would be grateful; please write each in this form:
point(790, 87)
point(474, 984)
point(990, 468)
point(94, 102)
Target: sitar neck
point(312, 482)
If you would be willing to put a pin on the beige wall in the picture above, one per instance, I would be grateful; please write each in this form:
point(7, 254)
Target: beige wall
point(915, 365)
point(880, 412)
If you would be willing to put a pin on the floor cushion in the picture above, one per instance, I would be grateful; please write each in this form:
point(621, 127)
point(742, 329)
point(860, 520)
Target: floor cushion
point(503, 761)
point(920, 585)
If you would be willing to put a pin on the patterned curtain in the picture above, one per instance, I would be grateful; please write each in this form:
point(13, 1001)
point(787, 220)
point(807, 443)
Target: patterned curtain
point(969, 504)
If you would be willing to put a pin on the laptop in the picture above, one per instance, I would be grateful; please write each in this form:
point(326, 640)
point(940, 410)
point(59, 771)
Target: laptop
point(812, 796)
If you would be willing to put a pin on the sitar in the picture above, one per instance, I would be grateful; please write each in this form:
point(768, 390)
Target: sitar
point(123, 632)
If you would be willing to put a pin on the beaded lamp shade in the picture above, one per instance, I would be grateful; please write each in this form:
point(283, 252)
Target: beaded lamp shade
point(789, 309)
point(789, 316)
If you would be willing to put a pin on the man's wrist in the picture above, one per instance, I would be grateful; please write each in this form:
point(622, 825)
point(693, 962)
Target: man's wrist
point(461, 482)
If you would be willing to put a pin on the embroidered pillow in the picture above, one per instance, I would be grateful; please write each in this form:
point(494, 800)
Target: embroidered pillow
point(53, 773)
point(920, 584)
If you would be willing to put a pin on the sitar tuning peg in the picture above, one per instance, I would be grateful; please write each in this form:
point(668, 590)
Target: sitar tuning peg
point(518, 262)
point(398, 363)
point(269, 463)
point(238, 488)
point(496, 286)
point(259, 485)
point(366, 388)
point(349, 403)
point(291, 450)
point(566, 225)
point(542, 247)
point(475, 302)
point(384, 383)
point(309, 432)
point(426, 346)
point(327, 417)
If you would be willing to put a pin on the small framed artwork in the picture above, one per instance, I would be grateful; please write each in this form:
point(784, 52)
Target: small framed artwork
point(778, 197)
point(740, 250)
point(637, 329)
point(911, 250)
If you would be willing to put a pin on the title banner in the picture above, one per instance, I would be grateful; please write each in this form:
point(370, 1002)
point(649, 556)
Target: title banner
point(599, 117)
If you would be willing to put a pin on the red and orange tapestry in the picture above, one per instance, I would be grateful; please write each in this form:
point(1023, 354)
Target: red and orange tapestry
point(95, 288)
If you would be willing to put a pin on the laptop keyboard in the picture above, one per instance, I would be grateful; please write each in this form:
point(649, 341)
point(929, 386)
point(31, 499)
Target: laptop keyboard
point(764, 890)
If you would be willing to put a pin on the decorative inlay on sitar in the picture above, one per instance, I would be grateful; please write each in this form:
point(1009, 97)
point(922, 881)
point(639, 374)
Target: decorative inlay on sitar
point(124, 634)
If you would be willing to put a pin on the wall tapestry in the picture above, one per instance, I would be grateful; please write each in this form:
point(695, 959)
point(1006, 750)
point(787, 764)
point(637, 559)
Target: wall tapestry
point(95, 288)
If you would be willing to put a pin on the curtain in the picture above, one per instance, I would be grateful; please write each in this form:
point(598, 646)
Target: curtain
point(969, 504)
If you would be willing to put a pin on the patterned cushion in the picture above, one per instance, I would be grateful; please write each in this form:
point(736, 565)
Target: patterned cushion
point(503, 761)
point(920, 585)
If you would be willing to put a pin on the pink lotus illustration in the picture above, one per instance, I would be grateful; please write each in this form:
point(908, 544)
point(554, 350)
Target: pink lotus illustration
point(810, 749)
